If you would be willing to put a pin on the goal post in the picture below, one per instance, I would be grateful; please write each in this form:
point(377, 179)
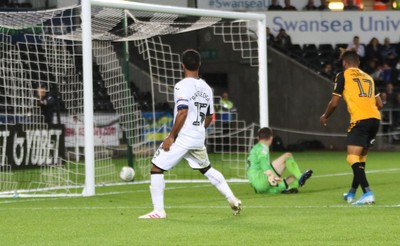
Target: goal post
point(76, 51)
point(89, 189)
point(86, 43)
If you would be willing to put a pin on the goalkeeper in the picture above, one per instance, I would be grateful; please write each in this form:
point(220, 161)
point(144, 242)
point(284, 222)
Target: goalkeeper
point(264, 176)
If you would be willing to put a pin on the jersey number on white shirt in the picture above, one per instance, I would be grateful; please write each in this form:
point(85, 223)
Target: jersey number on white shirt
point(200, 113)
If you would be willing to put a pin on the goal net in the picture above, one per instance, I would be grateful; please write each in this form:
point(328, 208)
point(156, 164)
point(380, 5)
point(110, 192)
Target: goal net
point(135, 64)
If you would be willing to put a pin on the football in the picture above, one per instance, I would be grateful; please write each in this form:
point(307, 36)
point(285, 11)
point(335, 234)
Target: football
point(127, 174)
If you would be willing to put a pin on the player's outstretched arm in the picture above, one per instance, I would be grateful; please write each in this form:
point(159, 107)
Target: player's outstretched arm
point(176, 128)
point(332, 105)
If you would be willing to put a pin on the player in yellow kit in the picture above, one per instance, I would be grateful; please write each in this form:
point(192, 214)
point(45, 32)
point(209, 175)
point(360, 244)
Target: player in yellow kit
point(363, 103)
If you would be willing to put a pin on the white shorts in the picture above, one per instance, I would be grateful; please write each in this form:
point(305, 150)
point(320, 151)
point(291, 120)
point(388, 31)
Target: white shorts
point(166, 160)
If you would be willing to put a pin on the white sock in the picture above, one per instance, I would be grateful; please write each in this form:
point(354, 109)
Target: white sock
point(218, 180)
point(157, 186)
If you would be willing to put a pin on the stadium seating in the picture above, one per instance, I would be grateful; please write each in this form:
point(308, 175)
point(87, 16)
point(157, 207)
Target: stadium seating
point(315, 57)
point(296, 51)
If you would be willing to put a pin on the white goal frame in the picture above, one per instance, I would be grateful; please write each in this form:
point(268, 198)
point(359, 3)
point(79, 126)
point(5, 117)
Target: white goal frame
point(89, 189)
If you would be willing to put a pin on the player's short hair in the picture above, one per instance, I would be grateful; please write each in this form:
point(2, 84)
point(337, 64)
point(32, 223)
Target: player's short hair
point(191, 59)
point(351, 56)
point(265, 133)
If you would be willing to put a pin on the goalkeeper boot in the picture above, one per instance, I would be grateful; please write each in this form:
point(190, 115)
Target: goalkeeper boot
point(366, 198)
point(290, 191)
point(154, 215)
point(236, 205)
point(306, 175)
point(349, 197)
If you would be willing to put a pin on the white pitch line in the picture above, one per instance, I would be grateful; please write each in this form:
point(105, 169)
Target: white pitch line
point(70, 208)
point(206, 184)
point(349, 173)
point(147, 190)
point(246, 181)
point(235, 180)
point(25, 199)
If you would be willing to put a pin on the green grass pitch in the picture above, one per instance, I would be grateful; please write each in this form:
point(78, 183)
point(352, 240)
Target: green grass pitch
point(199, 215)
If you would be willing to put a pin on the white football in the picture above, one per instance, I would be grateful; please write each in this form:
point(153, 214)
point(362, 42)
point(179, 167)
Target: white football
point(127, 174)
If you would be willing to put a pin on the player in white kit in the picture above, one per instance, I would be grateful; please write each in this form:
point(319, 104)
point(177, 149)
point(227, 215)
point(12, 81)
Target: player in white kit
point(193, 112)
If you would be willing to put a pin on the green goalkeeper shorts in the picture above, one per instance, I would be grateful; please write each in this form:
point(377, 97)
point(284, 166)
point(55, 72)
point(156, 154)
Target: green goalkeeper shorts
point(259, 181)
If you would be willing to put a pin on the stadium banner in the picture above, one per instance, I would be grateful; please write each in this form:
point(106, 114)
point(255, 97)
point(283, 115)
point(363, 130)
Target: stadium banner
point(157, 130)
point(21, 147)
point(242, 5)
point(107, 130)
point(336, 27)
point(319, 27)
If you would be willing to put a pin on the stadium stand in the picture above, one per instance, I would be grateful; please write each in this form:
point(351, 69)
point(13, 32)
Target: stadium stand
point(383, 67)
point(15, 5)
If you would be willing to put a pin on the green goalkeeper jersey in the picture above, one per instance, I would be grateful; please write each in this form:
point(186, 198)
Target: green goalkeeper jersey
point(258, 163)
point(259, 158)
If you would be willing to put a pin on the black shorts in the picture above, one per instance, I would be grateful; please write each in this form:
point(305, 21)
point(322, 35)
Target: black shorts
point(363, 132)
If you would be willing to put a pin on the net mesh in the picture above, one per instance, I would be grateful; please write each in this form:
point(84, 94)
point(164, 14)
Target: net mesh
point(43, 48)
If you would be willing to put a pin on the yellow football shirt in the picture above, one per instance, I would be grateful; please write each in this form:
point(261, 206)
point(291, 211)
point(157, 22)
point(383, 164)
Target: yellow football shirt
point(359, 92)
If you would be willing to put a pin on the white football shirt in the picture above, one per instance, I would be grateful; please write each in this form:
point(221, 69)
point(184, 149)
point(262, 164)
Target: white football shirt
point(197, 96)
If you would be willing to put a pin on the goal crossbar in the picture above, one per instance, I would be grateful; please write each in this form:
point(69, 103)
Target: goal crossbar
point(177, 10)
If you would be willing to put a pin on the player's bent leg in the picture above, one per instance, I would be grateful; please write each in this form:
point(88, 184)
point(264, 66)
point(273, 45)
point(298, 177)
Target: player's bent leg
point(217, 179)
point(355, 158)
point(292, 184)
point(293, 167)
point(198, 159)
point(157, 187)
point(363, 157)
point(154, 169)
point(368, 196)
point(162, 161)
point(349, 197)
point(352, 158)
point(279, 163)
point(364, 154)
